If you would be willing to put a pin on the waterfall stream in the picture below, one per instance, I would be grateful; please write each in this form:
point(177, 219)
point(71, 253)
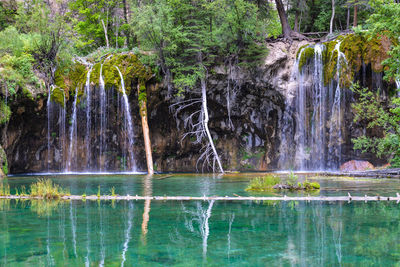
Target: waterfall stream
point(98, 139)
point(127, 121)
point(73, 136)
point(312, 123)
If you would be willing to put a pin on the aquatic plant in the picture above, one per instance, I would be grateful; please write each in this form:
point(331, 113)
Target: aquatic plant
point(4, 189)
point(271, 183)
point(113, 191)
point(265, 183)
point(45, 188)
point(44, 207)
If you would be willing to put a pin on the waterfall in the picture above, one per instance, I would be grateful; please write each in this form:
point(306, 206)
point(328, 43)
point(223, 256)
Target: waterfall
point(88, 119)
point(73, 135)
point(127, 121)
point(335, 127)
point(317, 107)
point(301, 153)
point(97, 137)
point(48, 125)
point(62, 131)
point(102, 117)
point(318, 130)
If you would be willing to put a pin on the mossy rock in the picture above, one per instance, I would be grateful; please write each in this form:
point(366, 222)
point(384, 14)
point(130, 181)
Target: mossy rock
point(358, 49)
point(57, 95)
point(3, 162)
point(67, 80)
point(307, 54)
point(131, 69)
point(5, 112)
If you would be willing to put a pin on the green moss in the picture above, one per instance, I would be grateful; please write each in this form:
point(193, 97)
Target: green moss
point(306, 54)
point(358, 49)
point(5, 113)
point(3, 161)
point(130, 66)
point(57, 95)
point(68, 80)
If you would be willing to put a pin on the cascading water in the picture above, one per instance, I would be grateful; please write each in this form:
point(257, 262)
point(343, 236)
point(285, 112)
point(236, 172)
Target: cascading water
point(103, 100)
point(97, 139)
point(335, 127)
point(127, 121)
point(313, 118)
point(88, 118)
point(73, 135)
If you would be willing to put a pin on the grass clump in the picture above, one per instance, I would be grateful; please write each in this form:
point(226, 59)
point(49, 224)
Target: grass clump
point(4, 189)
point(265, 183)
point(45, 188)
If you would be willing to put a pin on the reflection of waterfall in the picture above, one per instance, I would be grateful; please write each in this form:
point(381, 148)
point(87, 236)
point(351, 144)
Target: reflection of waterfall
point(127, 233)
point(337, 227)
point(312, 122)
point(231, 219)
point(87, 258)
point(73, 226)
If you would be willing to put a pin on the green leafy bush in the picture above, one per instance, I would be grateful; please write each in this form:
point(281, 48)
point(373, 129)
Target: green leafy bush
point(265, 183)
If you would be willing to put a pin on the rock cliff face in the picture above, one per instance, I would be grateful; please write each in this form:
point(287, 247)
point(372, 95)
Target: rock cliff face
point(246, 108)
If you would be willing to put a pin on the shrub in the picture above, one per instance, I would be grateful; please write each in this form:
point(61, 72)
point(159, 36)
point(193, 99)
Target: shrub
point(265, 183)
point(45, 188)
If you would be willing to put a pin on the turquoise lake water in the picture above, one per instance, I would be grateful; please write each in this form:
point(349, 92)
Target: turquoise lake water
point(199, 233)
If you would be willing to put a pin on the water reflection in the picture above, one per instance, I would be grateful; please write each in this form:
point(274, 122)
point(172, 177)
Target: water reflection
point(92, 233)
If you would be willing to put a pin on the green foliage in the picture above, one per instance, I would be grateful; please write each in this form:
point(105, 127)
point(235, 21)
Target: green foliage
point(370, 110)
point(45, 188)
point(113, 191)
point(4, 189)
point(87, 17)
point(5, 113)
point(292, 179)
point(265, 183)
point(185, 38)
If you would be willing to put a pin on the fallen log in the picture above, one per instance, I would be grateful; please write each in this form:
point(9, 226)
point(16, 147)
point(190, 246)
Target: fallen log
point(219, 198)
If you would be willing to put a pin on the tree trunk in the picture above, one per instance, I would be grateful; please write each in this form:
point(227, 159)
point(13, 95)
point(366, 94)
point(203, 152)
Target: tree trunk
point(286, 30)
point(296, 20)
point(348, 18)
point(145, 126)
point(126, 19)
point(205, 123)
point(105, 33)
point(332, 17)
point(355, 15)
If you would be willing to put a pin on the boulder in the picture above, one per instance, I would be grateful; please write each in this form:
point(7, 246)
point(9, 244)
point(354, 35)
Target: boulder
point(356, 165)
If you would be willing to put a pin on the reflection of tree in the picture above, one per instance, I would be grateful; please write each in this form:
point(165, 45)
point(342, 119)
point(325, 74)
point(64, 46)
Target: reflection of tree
point(200, 216)
point(147, 191)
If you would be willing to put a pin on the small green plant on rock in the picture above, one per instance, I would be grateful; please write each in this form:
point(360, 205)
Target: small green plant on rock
point(45, 188)
point(265, 183)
